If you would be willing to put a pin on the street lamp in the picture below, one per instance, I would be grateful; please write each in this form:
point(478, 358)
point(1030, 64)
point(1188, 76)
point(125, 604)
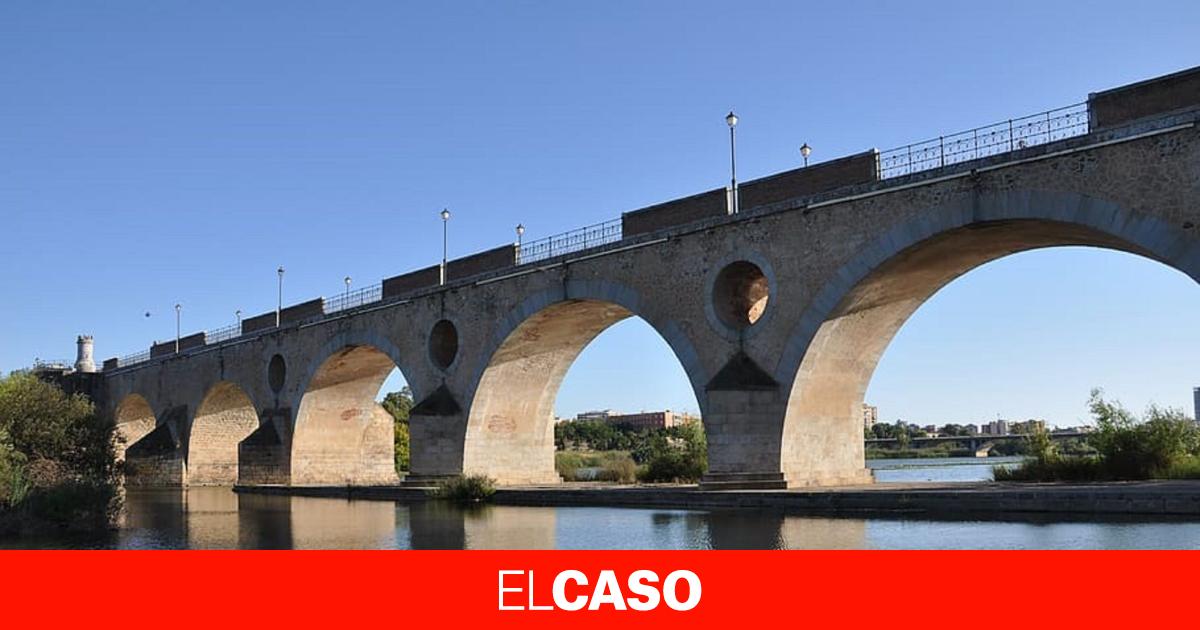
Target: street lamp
point(238, 314)
point(805, 151)
point(445, 221)
point(178, 311)
point(732, 120)
point(279, 305)
point(520, 233)
point(347, 281)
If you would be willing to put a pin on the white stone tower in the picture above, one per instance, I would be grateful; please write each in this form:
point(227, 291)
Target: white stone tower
point(83, 354)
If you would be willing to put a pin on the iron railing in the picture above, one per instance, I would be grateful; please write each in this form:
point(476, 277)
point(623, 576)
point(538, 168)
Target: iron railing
point(223, 333)
point(1011, 135)
point(136, 357)
point(568, 242)
point(52, 364)
point(354, 299)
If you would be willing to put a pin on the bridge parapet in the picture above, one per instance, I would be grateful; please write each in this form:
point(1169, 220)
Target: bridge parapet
point(1157, 96)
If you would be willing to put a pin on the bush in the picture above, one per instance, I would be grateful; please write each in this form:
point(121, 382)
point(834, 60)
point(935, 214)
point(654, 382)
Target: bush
point(678, 454)
point(1163, 444)
point(618, 467)
point(58, 466)
point(567, 464)
point(466, 490)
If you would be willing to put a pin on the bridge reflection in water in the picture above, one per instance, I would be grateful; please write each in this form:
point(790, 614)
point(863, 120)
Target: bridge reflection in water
point(217, 518)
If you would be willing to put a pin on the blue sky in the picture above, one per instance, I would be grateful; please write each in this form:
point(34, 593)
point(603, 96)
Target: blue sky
point(162, 152)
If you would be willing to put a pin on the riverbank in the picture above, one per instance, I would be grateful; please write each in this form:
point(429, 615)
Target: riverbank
point(945, 500)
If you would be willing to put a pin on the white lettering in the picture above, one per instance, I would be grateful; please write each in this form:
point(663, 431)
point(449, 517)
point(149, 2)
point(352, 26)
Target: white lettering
point(607, 592)
point(504, 590)
point(640, 583)
point(671, 596)
point(560, 590)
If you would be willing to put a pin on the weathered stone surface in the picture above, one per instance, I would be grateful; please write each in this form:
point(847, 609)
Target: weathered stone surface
point(843, 276)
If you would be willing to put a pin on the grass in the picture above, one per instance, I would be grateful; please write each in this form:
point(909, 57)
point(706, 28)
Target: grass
point(466, 490)
point(614, 466)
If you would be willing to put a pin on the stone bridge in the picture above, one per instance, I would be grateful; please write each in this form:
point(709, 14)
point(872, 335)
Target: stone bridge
point(778, 313)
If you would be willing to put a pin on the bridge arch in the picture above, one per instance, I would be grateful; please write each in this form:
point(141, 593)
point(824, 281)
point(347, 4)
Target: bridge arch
point(225, 416)
point(134, 419)
point(832, 353)
point(341, 435)
point(510, 423)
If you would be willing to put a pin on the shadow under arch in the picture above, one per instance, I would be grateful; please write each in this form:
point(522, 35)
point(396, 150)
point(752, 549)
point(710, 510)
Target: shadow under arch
point(134, 419)
point(833, 352)
point(341, 435)
point(224, 418)
point(510, 423)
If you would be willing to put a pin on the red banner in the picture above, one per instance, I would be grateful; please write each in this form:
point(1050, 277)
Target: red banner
point(535, 589)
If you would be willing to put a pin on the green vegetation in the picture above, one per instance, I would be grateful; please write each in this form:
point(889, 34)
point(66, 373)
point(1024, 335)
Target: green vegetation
point(399, 405)
point(1163, 444)
point(624, 454)
point(611, 466)
point(58, 466)
point(466, 490)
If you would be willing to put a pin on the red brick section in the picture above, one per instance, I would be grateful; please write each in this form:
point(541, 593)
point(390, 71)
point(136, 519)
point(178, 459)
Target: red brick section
point(475, 264)
point(678, 212)
point(848, 171)
point(1146, 98)
point(294, 313)
point(861, 168)
point(411, 281)
point(185, 343)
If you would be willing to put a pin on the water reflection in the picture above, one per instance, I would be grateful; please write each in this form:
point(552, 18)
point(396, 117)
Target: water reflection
point(206, 518)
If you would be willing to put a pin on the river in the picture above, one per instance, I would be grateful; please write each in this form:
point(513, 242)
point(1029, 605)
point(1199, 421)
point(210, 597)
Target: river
point(216, 518)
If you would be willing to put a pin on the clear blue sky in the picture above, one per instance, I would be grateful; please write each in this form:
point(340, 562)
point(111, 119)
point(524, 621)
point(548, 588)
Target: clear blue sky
point(154, 152)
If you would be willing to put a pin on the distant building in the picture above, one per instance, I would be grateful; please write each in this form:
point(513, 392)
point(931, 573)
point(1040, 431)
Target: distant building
point(972, 429)
point(995, 427)
point(870, 416)
point(601, 415)
point(1029, 426)
point(1196, 403)
point(649, 419)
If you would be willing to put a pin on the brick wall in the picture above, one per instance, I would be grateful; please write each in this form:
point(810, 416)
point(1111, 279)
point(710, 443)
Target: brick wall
point(861, 168)
point(679, 212)
point(1146, 98)
point(475, 264)
point(411, 281)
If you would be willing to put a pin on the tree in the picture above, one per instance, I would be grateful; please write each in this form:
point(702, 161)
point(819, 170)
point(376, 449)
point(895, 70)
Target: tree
point(58, 464)
point(399, 405)
point(55, 433)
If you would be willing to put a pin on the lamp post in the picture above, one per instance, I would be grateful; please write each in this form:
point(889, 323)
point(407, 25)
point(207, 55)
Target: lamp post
point(347, 281)
point(520, 233)
point(732, 120)
point(445, 222)
point(805, 151)
point(178, 311)
point(279, 304)
point(238, 315)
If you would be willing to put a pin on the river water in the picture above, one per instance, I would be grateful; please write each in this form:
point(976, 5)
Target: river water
point(216, 518)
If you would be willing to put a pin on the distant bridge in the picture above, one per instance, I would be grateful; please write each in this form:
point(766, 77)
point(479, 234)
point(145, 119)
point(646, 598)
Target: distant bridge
point(979, 443)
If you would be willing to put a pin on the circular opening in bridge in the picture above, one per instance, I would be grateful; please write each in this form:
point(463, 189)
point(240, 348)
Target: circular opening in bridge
point(740, 294)
point(443, 344)
point(276, 372)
